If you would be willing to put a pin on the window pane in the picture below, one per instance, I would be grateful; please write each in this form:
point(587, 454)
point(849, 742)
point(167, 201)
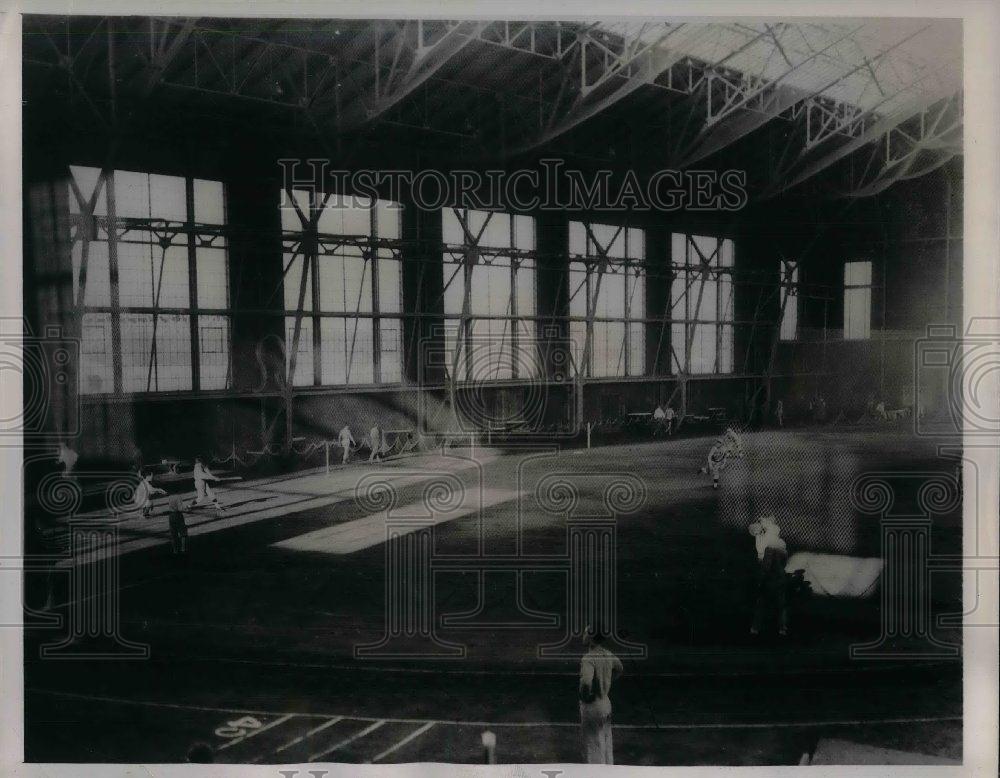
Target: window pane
point(497, 232)
point(451, 227)
point(637, 349)
point(173, 353)
point(213, 349)
point(358, 350)
point(858, 273)
point(357, 288)
point(170, 277)
point(704, 249)
point(524, 233)
point(727, 253)
point(577, 239)
point(210, 202)
point(96, 371)
point(98, 285)
point(857, 300)
point(213, 278)
point(454, 292)
point(171, 367)
point(391, 352)
point(168, 199)
point(290, 219)
point(389, 277)
point(678, 249)
point(636, 243)
point(525, 280)
point(131, 194)
point(303, 375)
point(293, 285)
point(578, 334)
point(577, 289)
point(389, 219)
point(135, 274)
point(789, 300)
point(726, 348)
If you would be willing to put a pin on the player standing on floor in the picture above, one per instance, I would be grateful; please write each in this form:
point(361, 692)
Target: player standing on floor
point(598, 668)
point(346, 440)
point(375, 439)
point(659, 419)
point(779, 413)
point(727, 447)
point(671, 418)
point(178, 527)
point(202, 475)
point(772, 556)
point(142, 500)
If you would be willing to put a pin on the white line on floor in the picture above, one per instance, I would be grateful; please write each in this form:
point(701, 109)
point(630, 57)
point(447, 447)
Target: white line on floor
point(347, 741)
point(307, 735)
point(512, 724)
point(254, 732)
point(412, 736)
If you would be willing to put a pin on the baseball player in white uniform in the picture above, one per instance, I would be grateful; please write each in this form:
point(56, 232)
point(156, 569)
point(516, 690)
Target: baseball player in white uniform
point(346, 440)
point(375, 439)
point(202, 475)
point(598, 668)
point(142, 500)
point(726, 448)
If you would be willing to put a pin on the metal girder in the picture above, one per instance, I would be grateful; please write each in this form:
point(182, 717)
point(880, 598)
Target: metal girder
point(622, 68)
point(874, 133)
point(422, 61)
point(748, 102)
point(165, 54)
point(938, 135)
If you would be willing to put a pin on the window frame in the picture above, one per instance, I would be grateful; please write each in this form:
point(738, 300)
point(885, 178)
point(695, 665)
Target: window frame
point(851, 292)
point(459, 261)
point(634, 269)
point(723, 276)
point(88, 227)
point(308, 245)
point(789, 286)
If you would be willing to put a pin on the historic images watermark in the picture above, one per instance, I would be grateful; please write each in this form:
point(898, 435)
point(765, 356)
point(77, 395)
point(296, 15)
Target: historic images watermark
point(548, 187)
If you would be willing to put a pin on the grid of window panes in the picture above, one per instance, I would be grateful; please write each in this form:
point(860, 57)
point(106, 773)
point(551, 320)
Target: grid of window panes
point(789, 299)
point(350, 330)
point(489, 295)
point(170, 288)
point(617, 297)
point(857, 300)
point(701, 301)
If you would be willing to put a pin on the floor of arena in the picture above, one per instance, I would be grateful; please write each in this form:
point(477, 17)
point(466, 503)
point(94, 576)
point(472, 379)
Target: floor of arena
point(252, 635)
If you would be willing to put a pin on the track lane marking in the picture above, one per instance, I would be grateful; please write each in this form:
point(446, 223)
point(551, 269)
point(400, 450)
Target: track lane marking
point(348, 740)
point(301, 738)
point(412, 736)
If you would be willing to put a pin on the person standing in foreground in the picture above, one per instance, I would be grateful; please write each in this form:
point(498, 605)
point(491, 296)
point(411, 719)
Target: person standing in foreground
point(346, 440)
point(598, 668)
